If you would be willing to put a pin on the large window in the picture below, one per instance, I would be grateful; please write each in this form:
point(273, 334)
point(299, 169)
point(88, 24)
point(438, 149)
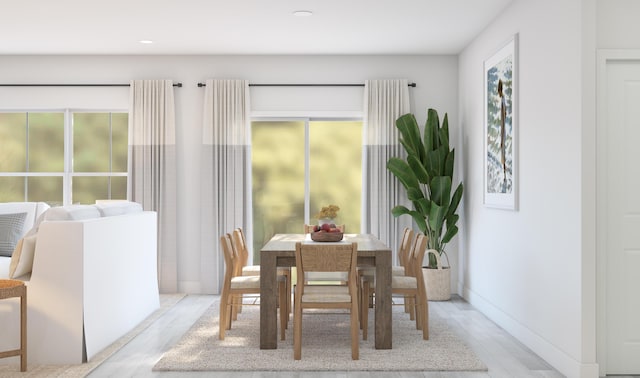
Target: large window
point(63, 157)
point(299, 166)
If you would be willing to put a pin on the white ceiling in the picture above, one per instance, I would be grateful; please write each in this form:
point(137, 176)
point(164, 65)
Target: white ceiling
point(242, 26)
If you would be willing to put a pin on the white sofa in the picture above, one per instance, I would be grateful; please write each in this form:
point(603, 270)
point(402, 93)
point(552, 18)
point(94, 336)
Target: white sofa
point(94, 278)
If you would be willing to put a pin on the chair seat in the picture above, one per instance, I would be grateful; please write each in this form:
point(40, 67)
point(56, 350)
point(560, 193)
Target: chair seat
point(325, 298)
point(245, 282)
point(254, 270)
point(326, 289)
point(251, 270)
point(403, 282)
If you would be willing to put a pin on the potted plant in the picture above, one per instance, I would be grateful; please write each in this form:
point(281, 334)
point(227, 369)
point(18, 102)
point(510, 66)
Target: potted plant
point(427, 176)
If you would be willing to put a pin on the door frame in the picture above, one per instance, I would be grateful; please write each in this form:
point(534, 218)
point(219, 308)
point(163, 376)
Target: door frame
point(604, 58)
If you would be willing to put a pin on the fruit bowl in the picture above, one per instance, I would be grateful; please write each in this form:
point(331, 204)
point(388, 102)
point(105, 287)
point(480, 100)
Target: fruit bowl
point(324, 236)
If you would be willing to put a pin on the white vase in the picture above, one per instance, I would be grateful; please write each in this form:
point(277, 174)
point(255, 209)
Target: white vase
point(322, 221)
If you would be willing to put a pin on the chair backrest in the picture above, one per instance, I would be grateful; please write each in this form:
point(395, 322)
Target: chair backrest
point(230, 258)
point(418, 256)
point(415, 257)
point(240, 245)
point(405, 246)
point(326, 258)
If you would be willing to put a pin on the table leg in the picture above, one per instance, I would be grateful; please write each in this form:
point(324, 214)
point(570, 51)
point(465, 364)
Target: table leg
point(268, 307)
point(383, 321)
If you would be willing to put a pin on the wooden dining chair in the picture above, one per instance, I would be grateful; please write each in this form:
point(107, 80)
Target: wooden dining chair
point(236, 286)
point(327, 257)
point(410, 287)
point(406, 243)
point(239, 242)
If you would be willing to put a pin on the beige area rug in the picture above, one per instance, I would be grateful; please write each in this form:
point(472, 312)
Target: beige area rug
point(37, 371)
point(326, 347)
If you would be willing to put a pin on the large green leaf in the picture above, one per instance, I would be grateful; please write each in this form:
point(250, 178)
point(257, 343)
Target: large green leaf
point(435, 163)
point(448, 163)
point(451, 220)
point(436, 217)
point(414, 194)
point(431, 131)
point(408, 127)
point(423, 206)
point(403, 172)
point(441, 191)
point(418, 169)
point(400, 210)
point(451, 232)
point(444, 132)
point(455, 200)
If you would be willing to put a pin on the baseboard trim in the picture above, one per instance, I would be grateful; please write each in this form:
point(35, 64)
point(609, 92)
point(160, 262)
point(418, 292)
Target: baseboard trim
point(557, 358)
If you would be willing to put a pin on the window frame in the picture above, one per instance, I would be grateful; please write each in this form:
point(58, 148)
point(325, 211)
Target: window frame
point(67, 174)
point(316, 117)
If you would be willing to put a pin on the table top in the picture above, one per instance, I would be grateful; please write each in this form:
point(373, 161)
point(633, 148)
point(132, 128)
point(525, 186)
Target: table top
point(287, 242)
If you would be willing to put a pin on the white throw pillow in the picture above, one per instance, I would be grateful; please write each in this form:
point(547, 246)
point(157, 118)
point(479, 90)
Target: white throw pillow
point(11, 229)
point(108, 209)
point(72, 212)
point(22, 258)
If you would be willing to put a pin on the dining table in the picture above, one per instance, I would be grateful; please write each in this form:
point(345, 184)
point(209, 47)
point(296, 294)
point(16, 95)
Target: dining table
point(279, 251)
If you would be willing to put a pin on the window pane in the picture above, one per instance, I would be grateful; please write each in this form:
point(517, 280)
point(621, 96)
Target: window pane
point(46, 189)
point(278, 180)
point(335, 170)
point(13, 134)
point(91, 142)
point(120, 137)
point(46, 142)
point(88, 189)
point(118, 188)
point(11, 189)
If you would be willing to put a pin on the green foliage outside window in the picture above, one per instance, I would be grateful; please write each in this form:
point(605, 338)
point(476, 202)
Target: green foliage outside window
point(32, 159)
point(278, 175)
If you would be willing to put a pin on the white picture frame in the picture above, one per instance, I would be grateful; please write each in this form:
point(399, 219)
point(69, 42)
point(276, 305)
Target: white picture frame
point(500, 127)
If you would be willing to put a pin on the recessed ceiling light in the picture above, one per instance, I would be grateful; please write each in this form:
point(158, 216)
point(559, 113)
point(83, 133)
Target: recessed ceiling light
point(146, 41)
point(303, 13)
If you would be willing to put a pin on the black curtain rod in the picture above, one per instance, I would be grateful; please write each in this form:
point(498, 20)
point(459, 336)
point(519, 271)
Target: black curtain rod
point(305, 85)
point(74, 85)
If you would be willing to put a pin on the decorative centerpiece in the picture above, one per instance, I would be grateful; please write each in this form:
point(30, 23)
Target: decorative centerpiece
point(327, 215)
point(326, 229)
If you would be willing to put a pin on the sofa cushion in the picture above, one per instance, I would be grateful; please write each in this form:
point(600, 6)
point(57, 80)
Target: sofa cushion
point(11, 229)
point(33, 210)
point(22, 258)
point(72, 212)
point(108, 209)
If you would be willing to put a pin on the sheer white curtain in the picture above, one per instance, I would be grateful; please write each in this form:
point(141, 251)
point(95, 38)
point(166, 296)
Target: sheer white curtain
point(152, 166)
point(385, 101)
point(225, 186)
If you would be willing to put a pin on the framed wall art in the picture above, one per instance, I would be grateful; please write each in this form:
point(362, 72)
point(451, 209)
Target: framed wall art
point(500, 127)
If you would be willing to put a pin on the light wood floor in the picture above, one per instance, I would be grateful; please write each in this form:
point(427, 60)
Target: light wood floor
point(503, 354)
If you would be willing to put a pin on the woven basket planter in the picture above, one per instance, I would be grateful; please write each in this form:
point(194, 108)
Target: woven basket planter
point(437, 280)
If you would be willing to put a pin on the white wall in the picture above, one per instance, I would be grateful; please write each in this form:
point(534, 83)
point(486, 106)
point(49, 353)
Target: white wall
point(437, 87)
point(524, 268)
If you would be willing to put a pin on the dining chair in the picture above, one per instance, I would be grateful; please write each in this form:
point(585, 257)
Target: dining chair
point(404, 249)
point(318, 278)
point(239, 242)
point(410, 287)
point(236, 286)
point(327, 257)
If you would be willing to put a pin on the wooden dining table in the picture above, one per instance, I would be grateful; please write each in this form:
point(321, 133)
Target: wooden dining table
point(280, 252)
